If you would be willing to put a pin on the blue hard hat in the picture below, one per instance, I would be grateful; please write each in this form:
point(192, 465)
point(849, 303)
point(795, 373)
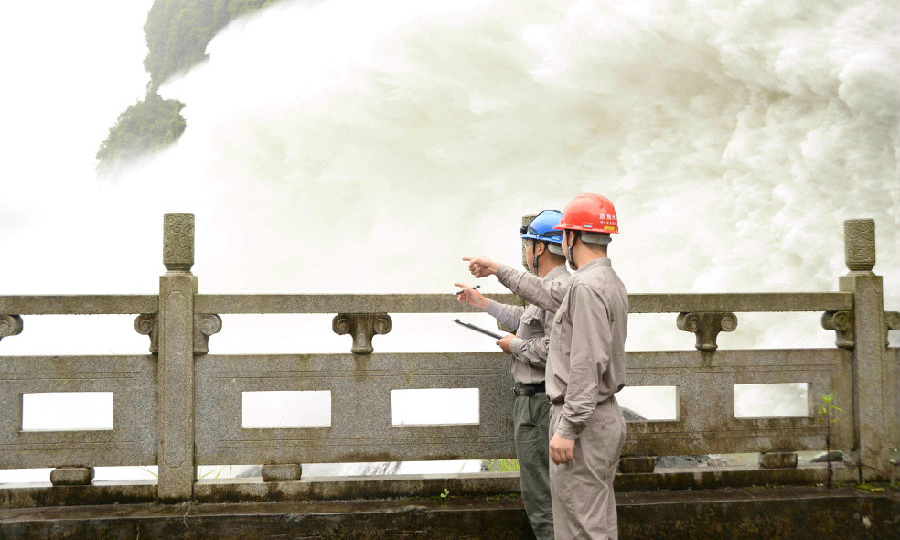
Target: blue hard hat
point(541, 227)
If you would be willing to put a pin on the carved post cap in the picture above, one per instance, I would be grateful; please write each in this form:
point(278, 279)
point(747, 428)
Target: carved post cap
point(178, 242)
point(859, 245)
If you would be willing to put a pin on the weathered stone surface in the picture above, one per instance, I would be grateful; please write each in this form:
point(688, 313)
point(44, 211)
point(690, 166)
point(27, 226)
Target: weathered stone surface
point(281, 472)
point(205, 325)
point(177, 288)
point(78, 304)
point(131, 379)
point(361, 427)
point(874, 418)
point(71, 476)
point(891, 322)
point(704, 421)
point(637, 464)
point(10, 325)
point(842, 323)
point(98, 492)
point(412, 486)
point(859, 245)
point(706, 326)
point(446, 303)
point(361, 327)
point(146, 324)
point(786, 514)
point(778, 460)
point(835, 455)
point(178, 242)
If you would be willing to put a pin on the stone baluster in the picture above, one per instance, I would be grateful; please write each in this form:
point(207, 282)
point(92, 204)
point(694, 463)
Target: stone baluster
point(875, 429)
point(175, 371)
point(706, 325)
point(362, 327)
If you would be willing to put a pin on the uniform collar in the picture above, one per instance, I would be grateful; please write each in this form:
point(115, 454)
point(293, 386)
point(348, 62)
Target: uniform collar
point(598, 262)
point(557, 271)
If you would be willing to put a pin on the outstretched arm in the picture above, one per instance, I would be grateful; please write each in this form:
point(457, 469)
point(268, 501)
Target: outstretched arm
point(546, 294)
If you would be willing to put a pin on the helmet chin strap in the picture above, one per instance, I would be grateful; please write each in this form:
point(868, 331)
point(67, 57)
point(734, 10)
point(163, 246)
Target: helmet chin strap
point(534, 257)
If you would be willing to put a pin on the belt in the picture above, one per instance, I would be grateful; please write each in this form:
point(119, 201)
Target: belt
point(529, 389)
point(560, 400)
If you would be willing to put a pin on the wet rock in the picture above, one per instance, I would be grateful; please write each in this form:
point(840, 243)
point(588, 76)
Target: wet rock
point(836, 455)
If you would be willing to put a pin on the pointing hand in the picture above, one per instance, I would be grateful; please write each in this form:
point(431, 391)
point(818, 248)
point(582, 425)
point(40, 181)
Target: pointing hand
point(481, 266)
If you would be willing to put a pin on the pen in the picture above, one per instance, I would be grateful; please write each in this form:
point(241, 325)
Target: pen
point(460, 292)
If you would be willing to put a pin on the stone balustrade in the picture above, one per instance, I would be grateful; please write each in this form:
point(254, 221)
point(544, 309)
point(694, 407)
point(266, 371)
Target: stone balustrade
point(179, 406)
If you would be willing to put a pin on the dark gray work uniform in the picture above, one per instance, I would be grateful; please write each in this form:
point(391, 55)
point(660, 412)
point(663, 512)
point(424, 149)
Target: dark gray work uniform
point(585, 368)
point(531, 412)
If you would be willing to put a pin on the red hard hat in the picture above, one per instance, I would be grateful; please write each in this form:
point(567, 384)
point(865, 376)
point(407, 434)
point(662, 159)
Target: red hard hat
point(590, 212)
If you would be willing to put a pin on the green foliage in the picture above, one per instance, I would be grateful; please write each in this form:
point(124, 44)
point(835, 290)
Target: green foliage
point(827, 408)
point(177, 33)
point(828, 414)
point(147, 125)
point(502, 465)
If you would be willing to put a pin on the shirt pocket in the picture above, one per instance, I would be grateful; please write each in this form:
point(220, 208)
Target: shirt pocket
point(533, 317)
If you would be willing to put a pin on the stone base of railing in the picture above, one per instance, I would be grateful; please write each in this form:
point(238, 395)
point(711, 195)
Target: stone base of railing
point(637, 464)
point(411, 486)
point(793, 513)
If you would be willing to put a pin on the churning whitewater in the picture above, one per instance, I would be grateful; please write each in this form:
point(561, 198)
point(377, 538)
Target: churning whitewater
point(380, 141)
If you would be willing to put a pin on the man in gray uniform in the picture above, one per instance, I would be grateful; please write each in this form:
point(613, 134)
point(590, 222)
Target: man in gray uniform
point(585, 368)
point(529, 346)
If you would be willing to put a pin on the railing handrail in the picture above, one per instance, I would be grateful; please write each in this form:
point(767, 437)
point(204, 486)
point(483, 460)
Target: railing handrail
point(79, 304)
point(112, 304)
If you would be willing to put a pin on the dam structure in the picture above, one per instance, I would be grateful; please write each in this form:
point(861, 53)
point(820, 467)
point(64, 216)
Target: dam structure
point(181, 406)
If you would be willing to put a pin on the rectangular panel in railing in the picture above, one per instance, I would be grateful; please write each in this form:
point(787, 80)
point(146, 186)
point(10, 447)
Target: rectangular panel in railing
point(361, 417)
point(706, 422)
point(85, 304)
point(892, 396)
point(132, 439)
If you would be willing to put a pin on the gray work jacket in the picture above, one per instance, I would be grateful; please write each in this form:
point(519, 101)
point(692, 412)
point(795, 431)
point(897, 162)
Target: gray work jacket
point(530, 346)
point(586, 359)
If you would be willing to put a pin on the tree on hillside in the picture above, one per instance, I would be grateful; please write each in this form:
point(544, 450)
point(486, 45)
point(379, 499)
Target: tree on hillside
point(177, 33)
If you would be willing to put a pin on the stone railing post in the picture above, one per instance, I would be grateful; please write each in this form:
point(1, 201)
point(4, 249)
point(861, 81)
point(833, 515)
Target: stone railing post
point(175, 370)
point(871, 415)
